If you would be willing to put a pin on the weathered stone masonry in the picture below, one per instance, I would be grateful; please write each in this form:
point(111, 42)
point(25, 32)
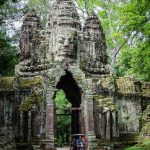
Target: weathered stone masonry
point(63, 55)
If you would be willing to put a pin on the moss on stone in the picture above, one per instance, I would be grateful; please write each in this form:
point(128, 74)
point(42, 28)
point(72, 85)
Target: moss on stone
point(125, 85)
point(6, 83)
point(30, 101)
point(145, 124)
point(104, 82)
point(26, 83)
point(146, 89)
point(105, 102)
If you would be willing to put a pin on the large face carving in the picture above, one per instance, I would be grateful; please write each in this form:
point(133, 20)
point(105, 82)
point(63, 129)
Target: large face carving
point(66, 45)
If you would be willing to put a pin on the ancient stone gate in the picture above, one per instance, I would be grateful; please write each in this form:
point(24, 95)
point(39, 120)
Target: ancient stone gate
point(65, 55)
point(62, 53)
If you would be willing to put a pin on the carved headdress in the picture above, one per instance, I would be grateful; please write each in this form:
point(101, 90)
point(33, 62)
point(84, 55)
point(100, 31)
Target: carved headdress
point(95, 45)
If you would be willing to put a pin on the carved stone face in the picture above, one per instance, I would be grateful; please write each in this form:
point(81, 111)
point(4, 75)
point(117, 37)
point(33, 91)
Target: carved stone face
point(66, 45)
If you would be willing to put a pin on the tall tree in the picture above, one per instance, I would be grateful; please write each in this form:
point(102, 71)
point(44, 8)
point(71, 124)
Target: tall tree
point(8, 51)
point(135, 21)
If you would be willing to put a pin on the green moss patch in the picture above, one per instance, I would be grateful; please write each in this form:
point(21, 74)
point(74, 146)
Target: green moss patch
point(30, 101)
point(146, 89)
point(105, 102)
point(125, 85)
point(6, 83)
point(105, 82)
point(145, 125)
point(142, 146)
point(26, 83)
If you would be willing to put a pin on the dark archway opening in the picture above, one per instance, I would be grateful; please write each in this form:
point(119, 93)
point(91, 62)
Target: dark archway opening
point(73, 94)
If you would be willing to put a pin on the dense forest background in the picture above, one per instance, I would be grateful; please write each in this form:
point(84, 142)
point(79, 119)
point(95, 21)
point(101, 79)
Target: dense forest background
point(126, 25)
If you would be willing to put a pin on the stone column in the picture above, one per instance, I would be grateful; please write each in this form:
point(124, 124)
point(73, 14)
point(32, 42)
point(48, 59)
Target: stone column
point(29, 126)
point(90, 122)
point(108, 128)
point(114, 126)
point(21, 126)
point(49, 119)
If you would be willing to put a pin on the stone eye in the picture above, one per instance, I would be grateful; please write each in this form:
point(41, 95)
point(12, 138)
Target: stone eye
point(70, 40)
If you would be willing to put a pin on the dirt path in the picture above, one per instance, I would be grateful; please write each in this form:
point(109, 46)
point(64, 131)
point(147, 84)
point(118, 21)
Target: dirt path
point(65, 148)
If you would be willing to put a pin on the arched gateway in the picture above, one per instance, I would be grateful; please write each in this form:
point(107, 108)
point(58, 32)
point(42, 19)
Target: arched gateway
point(78, 90)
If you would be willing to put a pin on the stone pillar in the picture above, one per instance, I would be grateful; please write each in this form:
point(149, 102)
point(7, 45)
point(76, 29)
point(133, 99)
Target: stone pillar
point(33, 125)
point(108, 128)
point(114, 126)
point(29, 126)
point(90, 122)
point(49, 143)
point(21, 126)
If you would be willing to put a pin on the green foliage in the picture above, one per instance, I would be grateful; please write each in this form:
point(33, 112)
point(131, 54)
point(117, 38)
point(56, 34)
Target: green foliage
point(135, 22)
point(42, 8)
point(61, 102)
point(8, 56)
point(133, 15)
point(135, 61)
point(9, 12)
point(143, 146)
point(63, 120)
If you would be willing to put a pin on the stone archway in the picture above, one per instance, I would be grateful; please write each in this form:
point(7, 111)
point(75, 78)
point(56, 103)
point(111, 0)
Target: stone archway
point(73, 94)
point(81, 99)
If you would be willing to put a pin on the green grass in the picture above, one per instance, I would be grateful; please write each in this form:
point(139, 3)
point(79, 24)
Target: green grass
point(143, 146)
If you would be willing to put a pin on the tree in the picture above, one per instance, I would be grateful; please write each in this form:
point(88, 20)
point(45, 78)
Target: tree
point(135, 21)
point(42, 8)
point(8, 52)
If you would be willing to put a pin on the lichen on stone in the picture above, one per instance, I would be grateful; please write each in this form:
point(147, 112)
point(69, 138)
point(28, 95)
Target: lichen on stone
point(6, 83)
point(126, 85)
point(105, 82)
point(27, 83)
point(146, 89)
point(145, 124)
point(105, 102)
point(30, 102)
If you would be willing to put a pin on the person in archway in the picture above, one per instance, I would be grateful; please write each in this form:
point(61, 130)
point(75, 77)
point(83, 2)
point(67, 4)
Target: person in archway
point(85, 141)
point(81, 143)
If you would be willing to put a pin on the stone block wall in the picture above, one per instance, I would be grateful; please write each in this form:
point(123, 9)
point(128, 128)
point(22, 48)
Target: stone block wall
point(23, 114)
point(7, 135)
point(128, 98)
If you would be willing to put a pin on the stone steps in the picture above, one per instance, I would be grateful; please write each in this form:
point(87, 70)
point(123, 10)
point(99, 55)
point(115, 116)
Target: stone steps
point(131, 137)
point(36, 147)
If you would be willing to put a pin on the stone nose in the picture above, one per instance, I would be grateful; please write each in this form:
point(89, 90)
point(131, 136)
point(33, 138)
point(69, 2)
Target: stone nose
point(66, 43)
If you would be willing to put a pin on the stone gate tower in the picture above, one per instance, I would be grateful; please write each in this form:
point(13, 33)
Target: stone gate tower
point(67, 57)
